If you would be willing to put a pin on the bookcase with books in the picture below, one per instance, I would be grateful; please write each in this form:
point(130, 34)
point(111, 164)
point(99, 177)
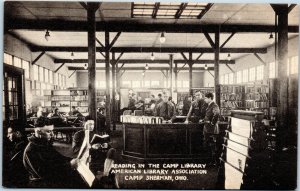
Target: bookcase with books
point(257, 98)
point(232, 97)
point(65, 99)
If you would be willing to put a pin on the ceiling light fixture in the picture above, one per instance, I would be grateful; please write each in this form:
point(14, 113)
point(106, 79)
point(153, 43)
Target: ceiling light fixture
point(152, 56)
point(146, 67)
point(162, 38)
point(85, 66)
point(47, 35)
point(143, 74)
point(271, 38)
point(229, 57)
point(205, 67)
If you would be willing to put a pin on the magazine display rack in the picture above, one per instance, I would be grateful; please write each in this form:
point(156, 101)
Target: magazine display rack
point(245, 158)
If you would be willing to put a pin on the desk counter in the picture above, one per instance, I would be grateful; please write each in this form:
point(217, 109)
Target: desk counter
point(163, 141)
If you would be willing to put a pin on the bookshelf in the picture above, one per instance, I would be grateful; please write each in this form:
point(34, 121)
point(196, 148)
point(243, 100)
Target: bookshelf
point(65, 99)
point(254, 97)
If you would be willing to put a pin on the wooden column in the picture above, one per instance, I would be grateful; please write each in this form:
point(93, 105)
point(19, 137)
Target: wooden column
point(92, 7)
point(190, 72)
point(176, 75)
point(113, 101)
point(216, 68)
point(282, 93)
point(107, 77)
point(171, 74)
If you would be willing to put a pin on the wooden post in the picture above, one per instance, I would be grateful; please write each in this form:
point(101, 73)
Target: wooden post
point(92, 61)
point(190, 73)
point(216, 68)
point(107, 78)
point(171, 74)
point(113, 103)
point(176, 75)
point(284, 130)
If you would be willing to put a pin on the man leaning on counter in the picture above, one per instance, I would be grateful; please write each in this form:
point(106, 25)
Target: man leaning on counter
point(165, 109)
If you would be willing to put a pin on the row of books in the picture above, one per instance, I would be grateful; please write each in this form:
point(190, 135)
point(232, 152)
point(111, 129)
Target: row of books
point(255, 104)
point(232, 89)
point(263, 89)
point(231, 104)
point(83, 104)
point(231, 97)
point(256, 96)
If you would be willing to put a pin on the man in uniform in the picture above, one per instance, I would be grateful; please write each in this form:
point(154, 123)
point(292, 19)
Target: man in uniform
point(198, 107)
point(165, 109)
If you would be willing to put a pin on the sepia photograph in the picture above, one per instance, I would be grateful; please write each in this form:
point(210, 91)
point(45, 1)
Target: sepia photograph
point(150, 95)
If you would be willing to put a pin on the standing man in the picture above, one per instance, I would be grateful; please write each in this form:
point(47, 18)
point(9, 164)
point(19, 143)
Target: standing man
point(165, 109)
point(198, 107)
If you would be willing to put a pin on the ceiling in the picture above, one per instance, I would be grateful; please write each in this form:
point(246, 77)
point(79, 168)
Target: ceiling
point(220, 14)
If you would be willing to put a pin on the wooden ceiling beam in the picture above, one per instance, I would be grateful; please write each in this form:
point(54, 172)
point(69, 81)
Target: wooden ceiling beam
point(149, 49)
point(141, 61)
point(143, 68)
point(123, 26)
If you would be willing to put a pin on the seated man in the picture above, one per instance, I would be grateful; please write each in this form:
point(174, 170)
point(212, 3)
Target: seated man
point(75, 112)
point(165, 109)
point(47, 168)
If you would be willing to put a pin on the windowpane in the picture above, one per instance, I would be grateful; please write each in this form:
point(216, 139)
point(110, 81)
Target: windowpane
point(185, 84)
point(146, 83)
point(17, 62)
point(252, 74)
point(231, 78)
point(8, 59)
point(154, 83)
point(239, 77)
point(136, 84)
point(179, 84)
point(35, 72)
point(46, 75)
point(294, 65)
point(25, 66)
point(50, 76)
point(126, 84)
point(226, 79)
point(41, 74)
point(272, 70)
point(245, 75)
point(260, 72)
point(222, 79)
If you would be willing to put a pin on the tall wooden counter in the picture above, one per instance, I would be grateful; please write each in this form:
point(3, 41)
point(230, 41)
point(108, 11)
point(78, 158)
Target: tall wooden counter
point(163, 141)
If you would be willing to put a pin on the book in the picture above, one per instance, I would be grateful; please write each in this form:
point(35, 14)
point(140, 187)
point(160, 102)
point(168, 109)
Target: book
point(86, 173)
point(100, 139)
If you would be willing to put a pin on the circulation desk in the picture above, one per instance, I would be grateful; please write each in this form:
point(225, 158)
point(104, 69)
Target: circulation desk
point(163, 141)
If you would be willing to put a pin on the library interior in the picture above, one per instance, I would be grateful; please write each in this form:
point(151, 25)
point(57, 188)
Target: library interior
point(91, 89)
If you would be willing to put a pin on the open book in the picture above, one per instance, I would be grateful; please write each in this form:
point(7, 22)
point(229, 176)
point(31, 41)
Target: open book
point(100, 139)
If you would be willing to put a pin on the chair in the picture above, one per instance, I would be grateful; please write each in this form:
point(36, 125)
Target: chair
point(138, 112)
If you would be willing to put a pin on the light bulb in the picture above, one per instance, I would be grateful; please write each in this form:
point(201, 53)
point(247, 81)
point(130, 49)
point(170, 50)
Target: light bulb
point(162, 38)
point(143, 74)
point(229, 57)
point(85, 66)
point(205, 67)
point(146, 67)
point(271, 39)
point(152, 56)
point(47, 35)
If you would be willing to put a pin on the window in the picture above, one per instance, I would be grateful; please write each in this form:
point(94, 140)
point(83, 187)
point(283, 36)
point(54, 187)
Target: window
point(126, 84)
point(17, 62)
point(226, 79)
point(35, 72)
point(260, 72)
point(25, 66)
point(245, 75)
point(231, 78)
point(272, 70)
point(154, 83)
point(41, 74)
point(62, 82)
point(136, 84)
point(55, 78)
point(239, 77)
point(50, 76)
point(252, 74)
point(179, 84)
point(8, 59)
point(293, 65)
point(46, 75)
point(147, 84)
point(185, 84)
point(222, 79)
point(102, 84)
